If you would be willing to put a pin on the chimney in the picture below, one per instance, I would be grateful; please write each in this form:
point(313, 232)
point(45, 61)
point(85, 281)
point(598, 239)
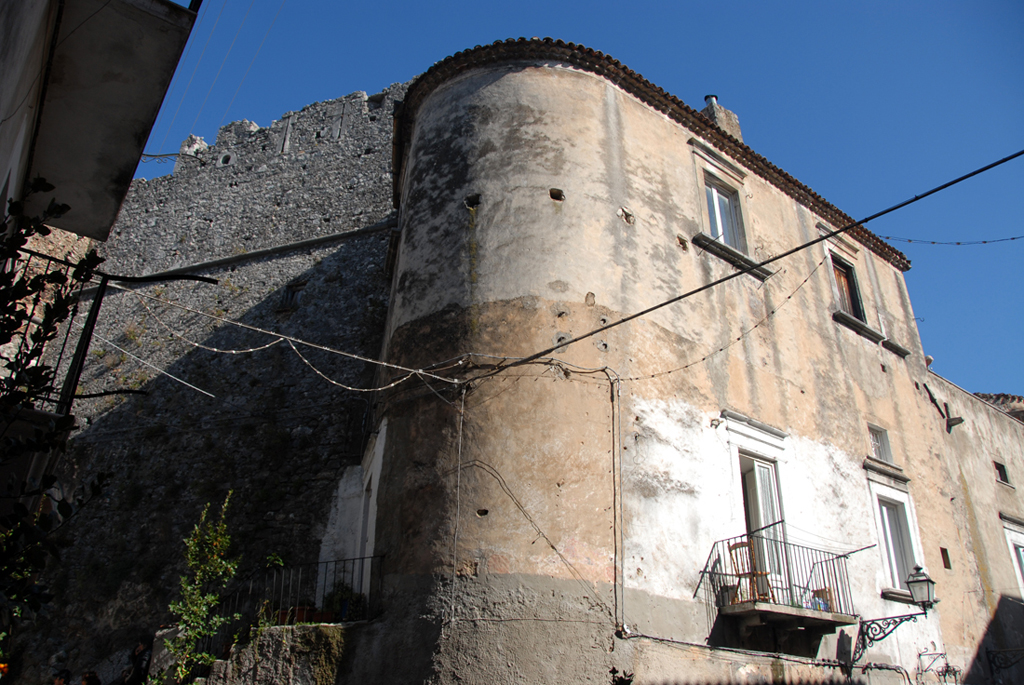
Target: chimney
point(721, 117)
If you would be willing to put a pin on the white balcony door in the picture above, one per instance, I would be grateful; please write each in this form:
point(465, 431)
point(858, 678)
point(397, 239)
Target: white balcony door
point(762, 508)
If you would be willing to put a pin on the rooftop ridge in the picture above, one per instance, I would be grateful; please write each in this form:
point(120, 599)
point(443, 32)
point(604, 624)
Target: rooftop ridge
point(635, 84)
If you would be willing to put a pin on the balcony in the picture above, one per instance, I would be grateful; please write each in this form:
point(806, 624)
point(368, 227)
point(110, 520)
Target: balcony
point(763, 592)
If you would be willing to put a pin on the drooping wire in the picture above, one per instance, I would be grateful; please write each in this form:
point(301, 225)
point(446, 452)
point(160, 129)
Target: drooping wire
point(143, 361)
point(955, 242)
point(179, 336)
point(738, 338)
point(323, 348)
point(759, 265)
point(342, 385)
point(221, 67)
point(253, 61)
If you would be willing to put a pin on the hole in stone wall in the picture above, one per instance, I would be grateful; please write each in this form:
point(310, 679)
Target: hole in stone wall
point(626, 215)
point(482, 512)
point(682, 243)
point(226, 159)
point(374, 101)
point(472, 201)
point(556, 194)
point(602, 345)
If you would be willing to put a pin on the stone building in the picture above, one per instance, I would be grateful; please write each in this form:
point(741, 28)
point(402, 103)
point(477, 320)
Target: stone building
point(718, 490)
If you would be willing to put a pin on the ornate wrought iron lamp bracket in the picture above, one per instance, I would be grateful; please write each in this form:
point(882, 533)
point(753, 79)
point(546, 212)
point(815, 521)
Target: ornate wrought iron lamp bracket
point(1002, 659)
point(877, 630)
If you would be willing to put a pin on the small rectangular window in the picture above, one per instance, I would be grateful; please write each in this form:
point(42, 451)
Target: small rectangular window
point(724, 215)
point(896, 535)
point(846, 285)
point(880, 444)
point(946, 564)
point(1001, 474)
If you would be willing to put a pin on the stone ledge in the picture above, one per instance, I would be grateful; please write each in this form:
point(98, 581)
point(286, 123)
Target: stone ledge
point(858, 326)
point(730, 254)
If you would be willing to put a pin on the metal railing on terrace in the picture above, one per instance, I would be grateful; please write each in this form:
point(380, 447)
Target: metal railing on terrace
point(323, 592)
point(17, 352)
point(763, 567)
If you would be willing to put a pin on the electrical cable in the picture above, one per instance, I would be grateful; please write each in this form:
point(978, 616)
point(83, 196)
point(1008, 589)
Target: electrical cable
point(221, 67)
point(955, 242)
point(200, 346)
point(324, 348)
point(253, 61)
point(194, 69)
point(143, 361)
point(739, 337)
point(458, 509)
point(762, 264)
point(342, 385)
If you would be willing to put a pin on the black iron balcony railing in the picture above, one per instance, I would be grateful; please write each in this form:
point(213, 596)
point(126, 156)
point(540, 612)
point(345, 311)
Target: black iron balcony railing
point(324, 592)
point(20, 351)
point(762, 567)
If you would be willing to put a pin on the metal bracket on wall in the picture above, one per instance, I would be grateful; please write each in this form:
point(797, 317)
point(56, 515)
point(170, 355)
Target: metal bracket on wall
point(1002, 659)
point(877, 630)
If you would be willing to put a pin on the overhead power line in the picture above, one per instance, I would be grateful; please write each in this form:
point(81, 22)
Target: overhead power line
point(222, 63)
point(251, 62)
point(736, 274)
point(953, 242)
point(421, 373)
point(194, 69)
point(738, 338)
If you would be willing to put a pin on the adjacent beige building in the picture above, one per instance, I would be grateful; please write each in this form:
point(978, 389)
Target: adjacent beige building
point(720, 489)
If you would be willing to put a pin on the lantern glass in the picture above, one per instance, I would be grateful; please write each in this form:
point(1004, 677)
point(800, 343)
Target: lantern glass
point(922, 588)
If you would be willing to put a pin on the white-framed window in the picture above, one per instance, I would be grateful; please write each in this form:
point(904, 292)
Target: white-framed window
point(880, 444)
point(1014, 532)
point(898, 541)
point(724, 217)
point(898, 549)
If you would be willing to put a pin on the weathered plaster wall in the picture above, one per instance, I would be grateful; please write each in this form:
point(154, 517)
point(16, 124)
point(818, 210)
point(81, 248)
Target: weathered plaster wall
point(262, 423)
point(492, 264)
point(983, 587)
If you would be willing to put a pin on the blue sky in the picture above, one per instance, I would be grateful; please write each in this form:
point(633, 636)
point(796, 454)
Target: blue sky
point(868, 103)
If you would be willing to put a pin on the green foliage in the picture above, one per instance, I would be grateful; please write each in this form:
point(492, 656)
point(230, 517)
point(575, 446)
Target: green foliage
point(209, 572)
point(34, 304)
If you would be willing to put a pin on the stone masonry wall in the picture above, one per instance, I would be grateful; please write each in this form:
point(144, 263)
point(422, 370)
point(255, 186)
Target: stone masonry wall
point(263, 423)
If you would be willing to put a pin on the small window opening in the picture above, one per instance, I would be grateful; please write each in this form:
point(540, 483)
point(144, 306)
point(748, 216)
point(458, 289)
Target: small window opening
point(472, 201)
point(880, 444)
point(946, 564)
point(557, 194)
point(374, 101)
point(226, 159)
point(627, 216)
point(846, 284)
point(482, 512)
point(1001, 474)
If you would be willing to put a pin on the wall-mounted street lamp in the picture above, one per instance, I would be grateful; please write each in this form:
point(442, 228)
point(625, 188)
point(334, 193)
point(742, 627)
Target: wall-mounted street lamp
point(922, 590)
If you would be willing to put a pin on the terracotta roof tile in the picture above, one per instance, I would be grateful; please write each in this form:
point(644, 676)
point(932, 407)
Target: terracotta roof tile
point(597, 62)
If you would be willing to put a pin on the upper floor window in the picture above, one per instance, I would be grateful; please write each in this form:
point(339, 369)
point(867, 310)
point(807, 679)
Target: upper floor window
point(880, 444)
point(898, 550)
point(724, 214)
point(846, 285)
point(1001, 475)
